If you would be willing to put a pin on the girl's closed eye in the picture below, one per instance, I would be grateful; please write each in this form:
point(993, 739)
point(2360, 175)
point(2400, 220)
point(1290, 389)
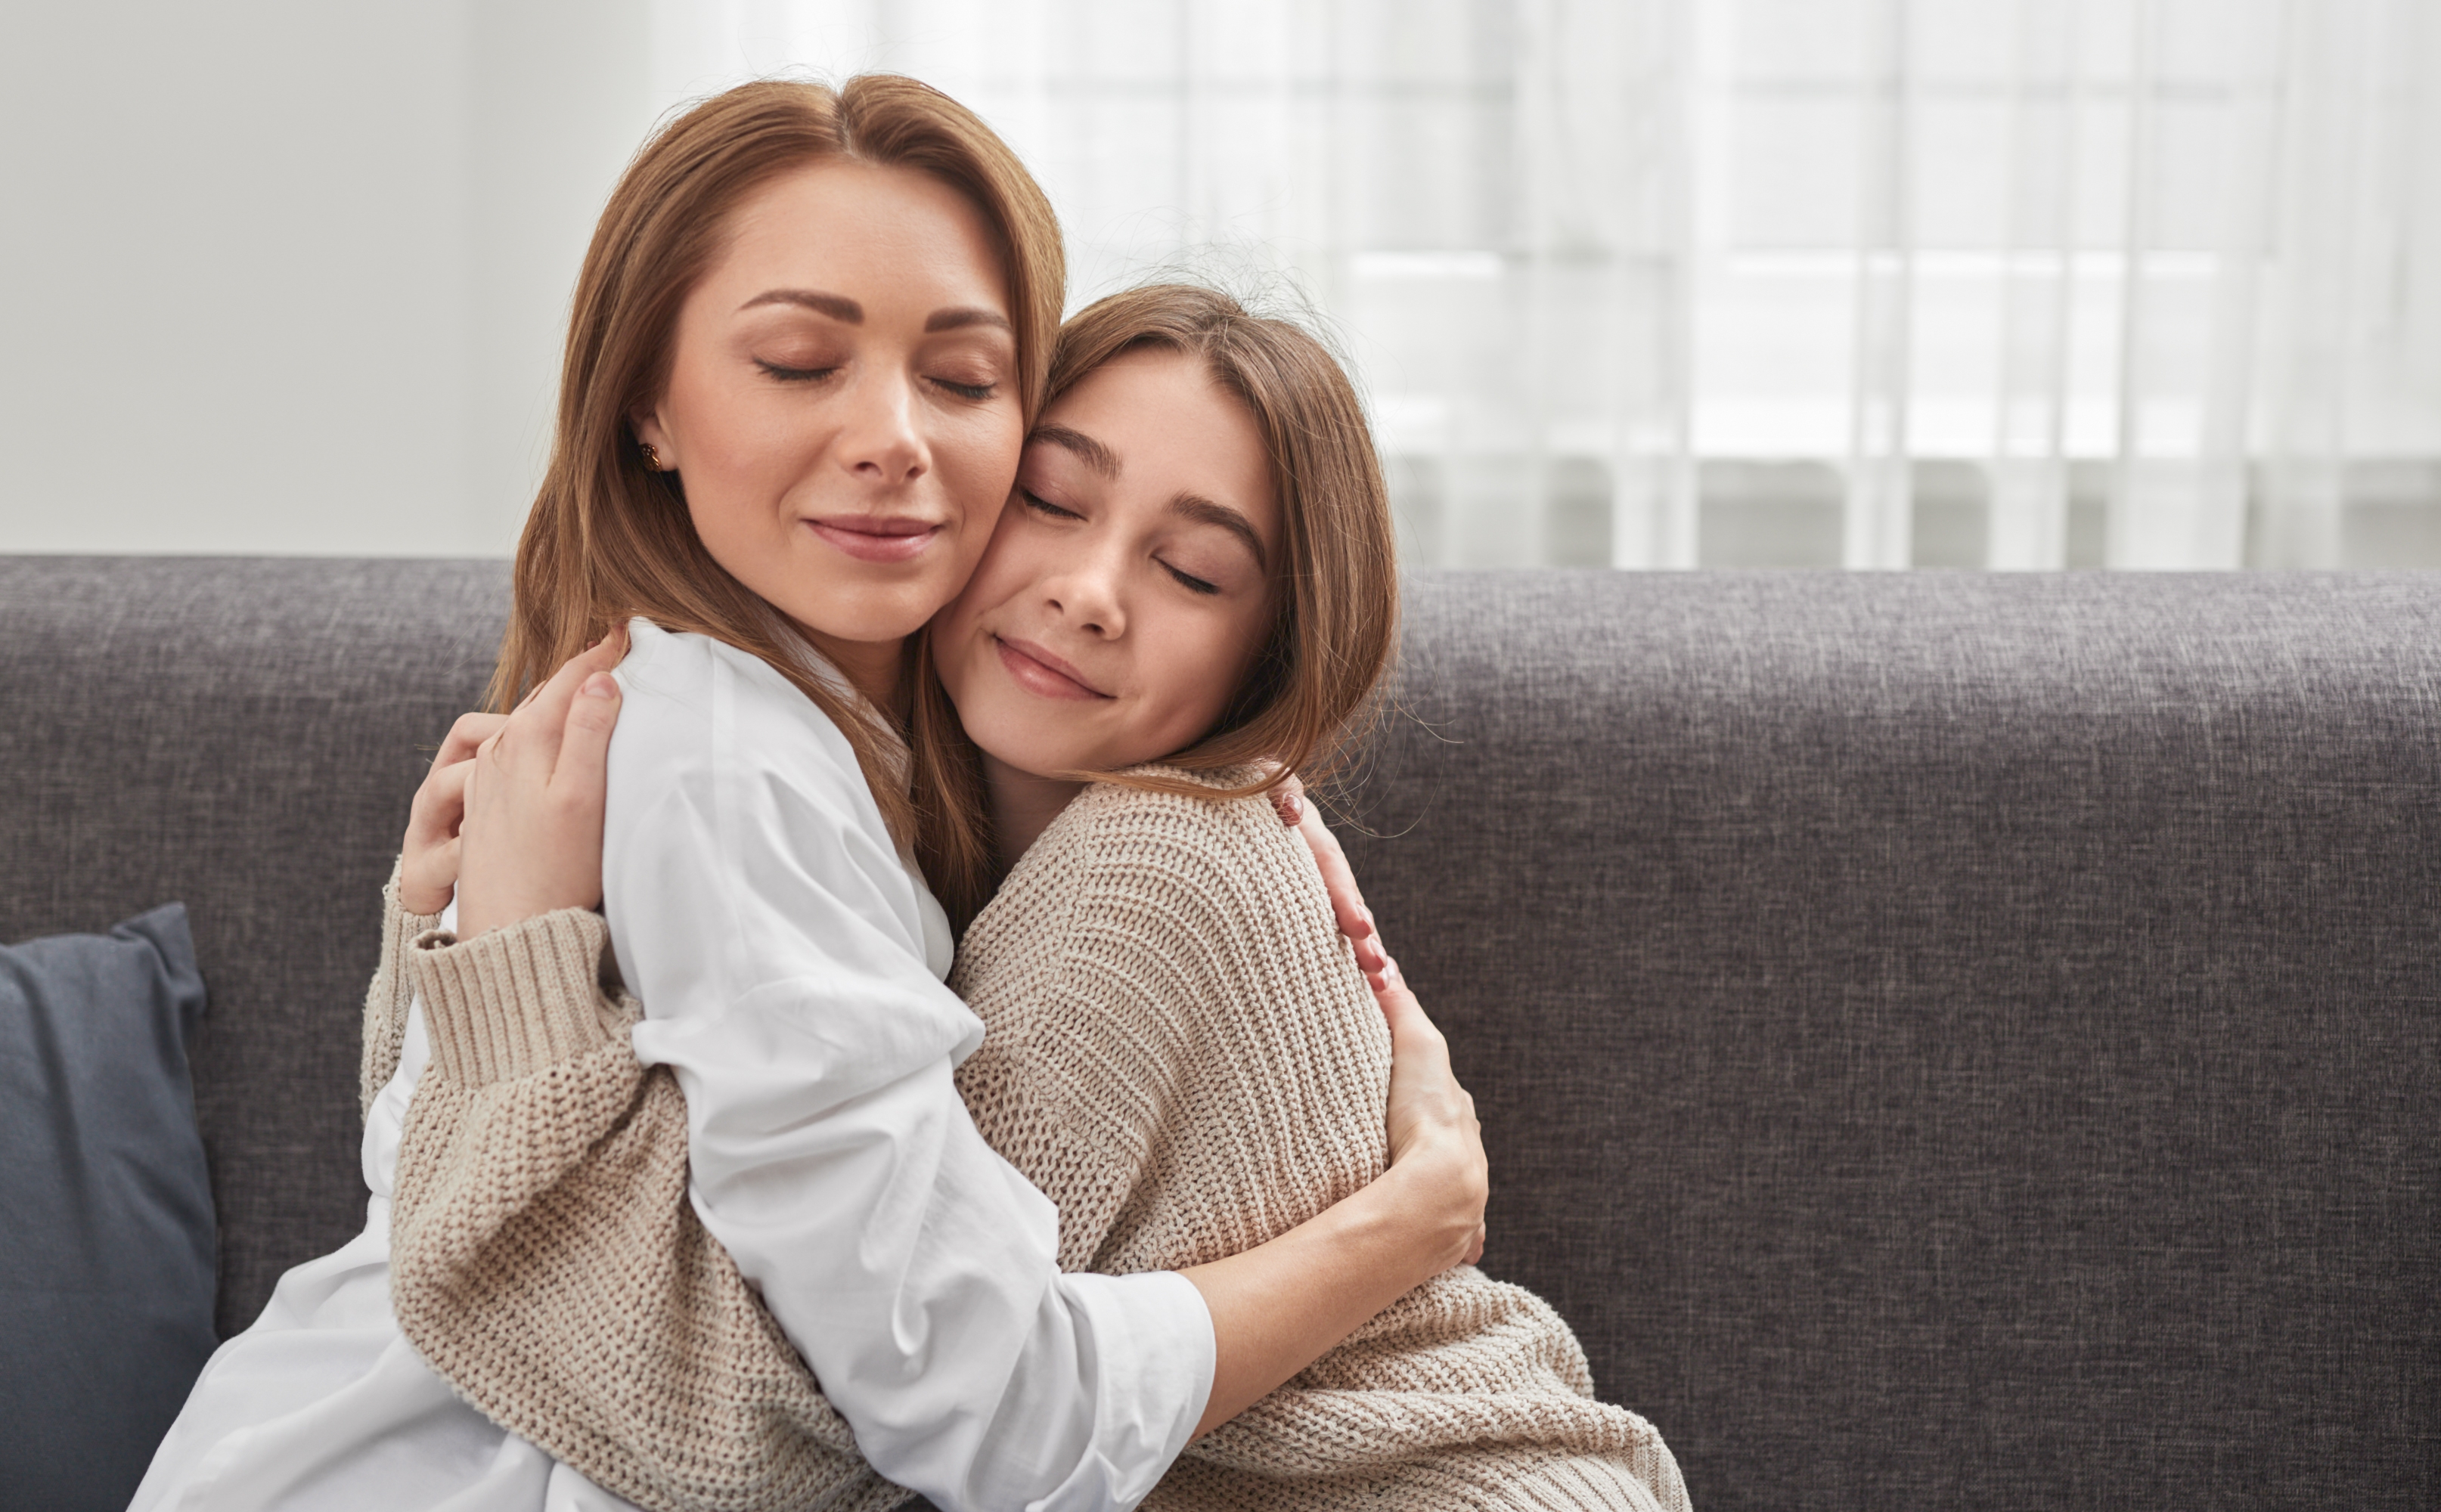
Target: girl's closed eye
point(1191, 582)
point(977, 392)
point(1046, 508)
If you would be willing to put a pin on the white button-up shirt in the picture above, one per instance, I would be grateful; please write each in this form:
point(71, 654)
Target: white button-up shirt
point(790, 962)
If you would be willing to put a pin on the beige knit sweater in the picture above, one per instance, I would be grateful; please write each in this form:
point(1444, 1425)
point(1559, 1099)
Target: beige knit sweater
point(1181, 1055)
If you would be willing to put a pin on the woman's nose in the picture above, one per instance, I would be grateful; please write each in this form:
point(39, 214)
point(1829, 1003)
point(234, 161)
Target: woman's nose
point(880, 443)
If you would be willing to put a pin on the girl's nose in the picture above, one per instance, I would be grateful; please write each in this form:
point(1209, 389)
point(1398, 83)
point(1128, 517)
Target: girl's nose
point(1088, 598)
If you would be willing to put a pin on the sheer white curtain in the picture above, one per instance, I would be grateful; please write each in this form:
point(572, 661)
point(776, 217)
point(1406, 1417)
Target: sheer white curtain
point(2016, 283)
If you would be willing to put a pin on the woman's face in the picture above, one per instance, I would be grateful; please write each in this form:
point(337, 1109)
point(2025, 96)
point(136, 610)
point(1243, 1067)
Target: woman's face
point(842, 406)
point(1127, 591)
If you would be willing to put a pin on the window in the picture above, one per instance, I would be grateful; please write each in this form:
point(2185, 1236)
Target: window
point(2011, 283)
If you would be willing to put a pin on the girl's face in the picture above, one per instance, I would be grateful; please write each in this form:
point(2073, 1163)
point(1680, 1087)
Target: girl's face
point(842, 405)
point(1128, 589)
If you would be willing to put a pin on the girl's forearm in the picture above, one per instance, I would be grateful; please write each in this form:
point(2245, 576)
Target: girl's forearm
point(1278, 1308)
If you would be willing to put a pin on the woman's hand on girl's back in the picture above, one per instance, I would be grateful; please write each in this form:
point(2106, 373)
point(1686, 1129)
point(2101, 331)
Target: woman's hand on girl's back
point(1433, 1127)
point(1346, 902)
point(530, 841)
point(1276, 1308)
point(1434, 1135)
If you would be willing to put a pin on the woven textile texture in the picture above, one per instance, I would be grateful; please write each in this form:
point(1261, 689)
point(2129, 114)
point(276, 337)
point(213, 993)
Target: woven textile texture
point(1950, 1041)
point(1942, 1040)
point(245, 736)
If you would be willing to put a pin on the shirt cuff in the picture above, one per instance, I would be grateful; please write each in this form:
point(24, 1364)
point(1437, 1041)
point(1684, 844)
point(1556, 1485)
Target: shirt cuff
point(1154, 1349)
point(516, 1001)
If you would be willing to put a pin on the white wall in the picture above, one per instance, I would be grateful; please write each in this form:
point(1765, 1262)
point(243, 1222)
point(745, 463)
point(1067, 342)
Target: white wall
point(288, 276)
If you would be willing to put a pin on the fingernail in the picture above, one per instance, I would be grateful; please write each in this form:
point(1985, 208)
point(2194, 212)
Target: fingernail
point(1367, 915)
point(601, 685)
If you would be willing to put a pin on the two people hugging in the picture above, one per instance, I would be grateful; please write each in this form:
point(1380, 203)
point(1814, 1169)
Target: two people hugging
point(970, 1088)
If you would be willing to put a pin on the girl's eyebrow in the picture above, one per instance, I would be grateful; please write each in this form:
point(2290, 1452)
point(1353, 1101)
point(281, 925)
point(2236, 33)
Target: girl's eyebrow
point(1208, 511)
point(1085, 448)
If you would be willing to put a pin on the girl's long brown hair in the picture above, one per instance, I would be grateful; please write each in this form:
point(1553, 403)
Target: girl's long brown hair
point(1334, 627)
point(607, 540)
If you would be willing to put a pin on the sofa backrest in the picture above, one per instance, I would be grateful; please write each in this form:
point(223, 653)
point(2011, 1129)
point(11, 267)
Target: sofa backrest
point(242, 736)
point(1943, 1042)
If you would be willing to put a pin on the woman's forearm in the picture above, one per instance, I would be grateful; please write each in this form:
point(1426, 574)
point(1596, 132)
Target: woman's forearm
point(1278, 1308)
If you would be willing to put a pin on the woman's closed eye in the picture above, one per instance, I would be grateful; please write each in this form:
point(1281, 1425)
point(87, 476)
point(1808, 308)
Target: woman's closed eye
point(793, 376)
point(975, 392)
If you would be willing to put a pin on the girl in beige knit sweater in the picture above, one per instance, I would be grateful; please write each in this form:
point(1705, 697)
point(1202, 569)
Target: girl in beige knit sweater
point(1179, 1053)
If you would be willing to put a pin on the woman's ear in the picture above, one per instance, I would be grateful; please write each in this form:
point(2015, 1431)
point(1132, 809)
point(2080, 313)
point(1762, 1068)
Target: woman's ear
point(649, 431)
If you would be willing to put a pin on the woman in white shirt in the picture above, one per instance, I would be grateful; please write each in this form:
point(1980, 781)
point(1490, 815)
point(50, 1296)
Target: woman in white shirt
point(830, 315)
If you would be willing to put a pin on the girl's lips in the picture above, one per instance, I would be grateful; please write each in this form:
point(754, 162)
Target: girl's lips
point(1038, 671)
point(876, 540)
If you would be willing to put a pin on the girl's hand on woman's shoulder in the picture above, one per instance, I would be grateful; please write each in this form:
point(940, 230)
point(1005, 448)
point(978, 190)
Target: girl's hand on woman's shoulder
point(530, 841)
point(428, 856)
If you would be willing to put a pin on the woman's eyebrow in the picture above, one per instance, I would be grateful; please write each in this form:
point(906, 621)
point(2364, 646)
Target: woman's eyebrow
point(1207, 512)
point(967, 316)
point(837, 306)
point(1085, 448)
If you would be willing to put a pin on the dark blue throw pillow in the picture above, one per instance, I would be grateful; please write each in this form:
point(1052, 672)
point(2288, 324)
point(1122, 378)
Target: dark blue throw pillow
point(106, 1234)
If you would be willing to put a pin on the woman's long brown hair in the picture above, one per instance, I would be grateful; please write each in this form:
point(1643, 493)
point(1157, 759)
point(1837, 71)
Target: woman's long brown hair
point(1311, 695)
point(607, 540)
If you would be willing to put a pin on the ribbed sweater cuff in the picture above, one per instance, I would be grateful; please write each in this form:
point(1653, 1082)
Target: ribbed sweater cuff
point(402, 923)
point(518, 1000)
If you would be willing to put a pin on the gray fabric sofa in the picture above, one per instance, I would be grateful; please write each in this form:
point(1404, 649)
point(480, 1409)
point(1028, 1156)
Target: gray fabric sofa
point(1946, 1041)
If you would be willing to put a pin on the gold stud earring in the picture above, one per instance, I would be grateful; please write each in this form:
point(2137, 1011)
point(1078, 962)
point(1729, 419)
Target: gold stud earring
point(652, 458)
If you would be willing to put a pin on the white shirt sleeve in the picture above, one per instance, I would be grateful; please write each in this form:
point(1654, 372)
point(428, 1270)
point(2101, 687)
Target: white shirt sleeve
point(789, 962)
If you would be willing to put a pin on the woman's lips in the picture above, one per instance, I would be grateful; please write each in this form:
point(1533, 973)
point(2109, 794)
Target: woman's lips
point(1038, 672)
point(869, 539)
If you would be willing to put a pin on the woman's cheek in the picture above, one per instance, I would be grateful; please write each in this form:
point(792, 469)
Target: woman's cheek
point(982, 485)
point(992, 435)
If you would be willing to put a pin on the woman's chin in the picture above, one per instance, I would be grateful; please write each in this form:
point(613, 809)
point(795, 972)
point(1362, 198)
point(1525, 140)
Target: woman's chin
point(865, 613)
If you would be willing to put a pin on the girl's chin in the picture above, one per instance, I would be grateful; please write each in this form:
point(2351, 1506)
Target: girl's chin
point(1018, 756)
point(1031, 763)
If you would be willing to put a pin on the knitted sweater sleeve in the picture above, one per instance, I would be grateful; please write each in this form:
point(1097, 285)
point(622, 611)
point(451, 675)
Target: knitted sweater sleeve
point(1167, 995)
point(546, 1260)
point(389, 995)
